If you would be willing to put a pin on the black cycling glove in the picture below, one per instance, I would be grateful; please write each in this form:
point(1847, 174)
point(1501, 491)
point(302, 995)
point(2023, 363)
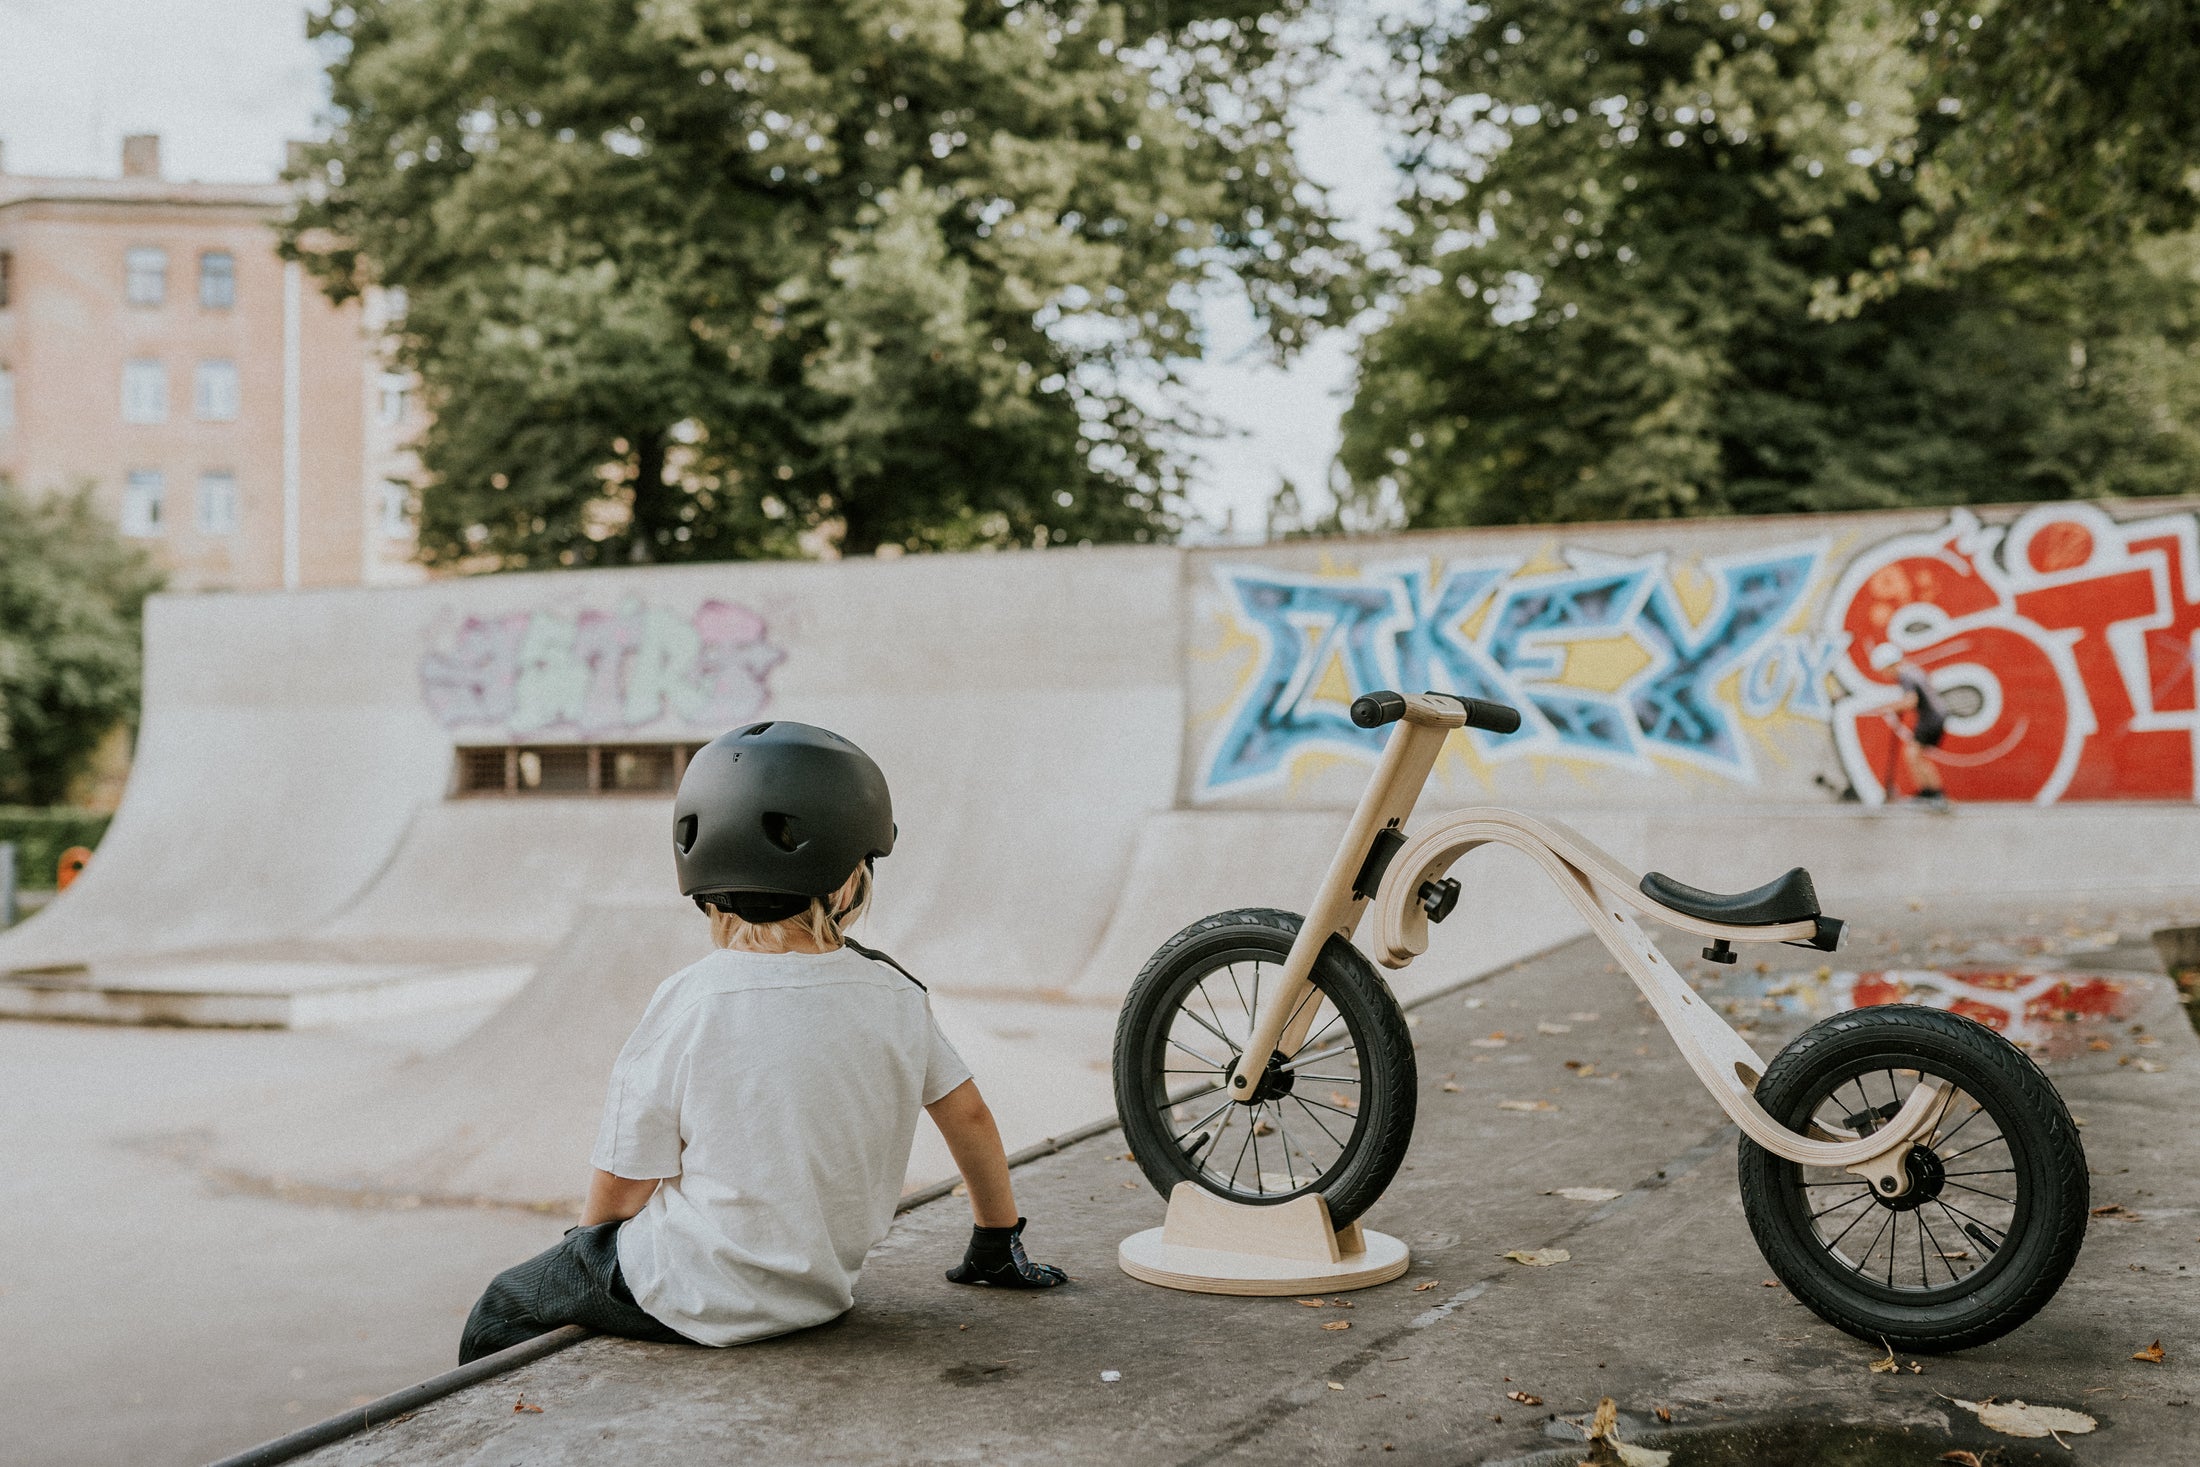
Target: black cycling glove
point(995, 1258)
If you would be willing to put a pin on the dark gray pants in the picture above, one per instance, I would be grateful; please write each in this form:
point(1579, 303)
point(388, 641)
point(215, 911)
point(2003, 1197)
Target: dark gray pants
point(577, 1282)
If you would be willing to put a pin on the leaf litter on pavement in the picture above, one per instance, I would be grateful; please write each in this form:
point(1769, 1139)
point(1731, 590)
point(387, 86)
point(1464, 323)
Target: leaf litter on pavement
point(2015, 1418)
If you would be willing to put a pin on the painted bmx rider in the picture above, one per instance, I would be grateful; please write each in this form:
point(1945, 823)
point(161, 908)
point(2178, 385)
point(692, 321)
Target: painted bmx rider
point(760, 1117)
point(1928, 725)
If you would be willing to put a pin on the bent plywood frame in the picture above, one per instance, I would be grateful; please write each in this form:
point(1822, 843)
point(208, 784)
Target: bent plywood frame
point(1607, 896)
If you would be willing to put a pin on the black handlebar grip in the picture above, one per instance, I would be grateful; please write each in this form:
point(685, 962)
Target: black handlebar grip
point(1373, 710)
point(1496, 717)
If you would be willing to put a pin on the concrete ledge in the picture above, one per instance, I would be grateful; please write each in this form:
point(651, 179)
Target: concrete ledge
point(252, 996)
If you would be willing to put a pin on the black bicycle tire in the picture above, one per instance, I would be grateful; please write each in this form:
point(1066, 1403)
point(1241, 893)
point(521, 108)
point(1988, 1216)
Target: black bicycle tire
point(1378, 1145)
point(2044, 1146)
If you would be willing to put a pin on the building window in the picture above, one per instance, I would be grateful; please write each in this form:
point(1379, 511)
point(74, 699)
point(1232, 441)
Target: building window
point(141, 503)
point(217, 280)
point(7, 400)
point(146, 277)
point(214, 392)
point(393, 398)
point(396, 510)
point(7, 278)
point(218, 503)
point(144, 391)
point(572, 769)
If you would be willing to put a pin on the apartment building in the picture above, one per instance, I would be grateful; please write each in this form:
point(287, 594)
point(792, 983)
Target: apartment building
point(155, 347)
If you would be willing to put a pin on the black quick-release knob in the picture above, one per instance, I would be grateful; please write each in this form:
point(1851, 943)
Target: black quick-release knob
point(1439, 897)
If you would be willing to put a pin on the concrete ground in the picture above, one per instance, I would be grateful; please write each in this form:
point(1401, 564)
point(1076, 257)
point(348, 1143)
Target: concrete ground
point(1663, 1306)
point(150, 1312)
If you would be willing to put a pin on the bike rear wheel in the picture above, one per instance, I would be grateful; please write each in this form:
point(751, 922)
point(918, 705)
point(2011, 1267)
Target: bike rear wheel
point(1334, 1117)
point(1996, 1210)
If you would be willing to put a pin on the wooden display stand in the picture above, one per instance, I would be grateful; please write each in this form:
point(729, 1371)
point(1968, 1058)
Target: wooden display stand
point(1212, 1246)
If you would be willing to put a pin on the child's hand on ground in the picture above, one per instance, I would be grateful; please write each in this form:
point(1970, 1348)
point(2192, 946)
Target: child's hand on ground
point(996, 1258)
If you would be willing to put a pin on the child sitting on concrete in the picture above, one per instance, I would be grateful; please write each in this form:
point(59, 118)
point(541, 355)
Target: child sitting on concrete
point(760, 1117)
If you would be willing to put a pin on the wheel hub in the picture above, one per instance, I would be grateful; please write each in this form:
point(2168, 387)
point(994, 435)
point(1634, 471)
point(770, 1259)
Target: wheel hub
point(1275, 1081)
point(1927, 1177)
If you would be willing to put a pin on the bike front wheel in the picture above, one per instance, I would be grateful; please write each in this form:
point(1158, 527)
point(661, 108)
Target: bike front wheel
point(1996, 1210)
point(1334, 1117)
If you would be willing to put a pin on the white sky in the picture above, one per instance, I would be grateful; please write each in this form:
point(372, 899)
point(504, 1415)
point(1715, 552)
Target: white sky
point(226, 82)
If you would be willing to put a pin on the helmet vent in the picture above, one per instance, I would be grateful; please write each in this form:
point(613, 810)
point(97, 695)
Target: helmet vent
point(780, 831)
point(683, 834)
point(755, 728)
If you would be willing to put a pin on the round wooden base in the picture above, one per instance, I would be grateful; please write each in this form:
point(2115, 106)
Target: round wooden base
point(1145, 1256)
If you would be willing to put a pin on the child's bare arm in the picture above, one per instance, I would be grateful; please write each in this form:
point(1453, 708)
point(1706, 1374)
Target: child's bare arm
point(975, 1143)
point(996, 1253)
point(614, 1199)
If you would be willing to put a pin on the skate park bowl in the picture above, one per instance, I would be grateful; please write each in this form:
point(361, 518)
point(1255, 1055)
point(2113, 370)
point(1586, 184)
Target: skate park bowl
point(352, 804)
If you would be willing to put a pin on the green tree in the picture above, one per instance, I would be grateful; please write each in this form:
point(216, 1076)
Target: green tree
point(693, 279)
point(2079, 123)
point(1623, 214)
point(72, 594)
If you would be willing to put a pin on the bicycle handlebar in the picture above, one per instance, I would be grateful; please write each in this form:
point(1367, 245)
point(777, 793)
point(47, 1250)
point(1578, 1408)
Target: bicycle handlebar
point(1373, 710)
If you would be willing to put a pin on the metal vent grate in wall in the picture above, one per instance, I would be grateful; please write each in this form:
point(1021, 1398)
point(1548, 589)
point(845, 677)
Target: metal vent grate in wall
point(571, 769)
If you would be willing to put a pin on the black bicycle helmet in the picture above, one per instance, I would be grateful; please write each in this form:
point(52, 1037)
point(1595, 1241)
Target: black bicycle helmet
point(770, 816)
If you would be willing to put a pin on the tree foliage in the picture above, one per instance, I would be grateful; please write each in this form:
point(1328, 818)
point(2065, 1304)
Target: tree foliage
point(2079, 123)
point(1631, 222)
point(72, 594)
point(692, 279)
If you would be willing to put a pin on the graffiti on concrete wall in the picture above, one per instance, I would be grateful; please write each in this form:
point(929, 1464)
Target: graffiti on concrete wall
point(2062, 646)
point(595, 672)
point(1604, 655)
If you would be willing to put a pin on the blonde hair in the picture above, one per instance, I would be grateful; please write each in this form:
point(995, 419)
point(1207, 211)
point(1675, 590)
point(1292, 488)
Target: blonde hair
point(823, 924)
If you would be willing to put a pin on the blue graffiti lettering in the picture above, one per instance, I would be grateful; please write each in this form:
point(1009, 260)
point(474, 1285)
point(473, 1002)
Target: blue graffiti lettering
point(1675, 702)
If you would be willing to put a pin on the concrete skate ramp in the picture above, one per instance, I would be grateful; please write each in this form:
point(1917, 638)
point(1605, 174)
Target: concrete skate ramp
point(510, 1112)
point(291, 794)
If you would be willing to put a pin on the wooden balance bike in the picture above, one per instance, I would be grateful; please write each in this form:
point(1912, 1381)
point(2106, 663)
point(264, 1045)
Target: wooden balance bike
point(1908, 1173)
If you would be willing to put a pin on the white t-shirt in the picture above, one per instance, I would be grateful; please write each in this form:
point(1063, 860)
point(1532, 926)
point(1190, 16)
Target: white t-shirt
point(778, 1094)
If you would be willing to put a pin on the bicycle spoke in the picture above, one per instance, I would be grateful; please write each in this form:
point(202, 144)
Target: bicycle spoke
point(1976, 1111)
point(1290, 1173)
point(1837, 1237)
point(1260, 1185)
point(1317, 1120)
point(1217, 1013)
point(1348, 1115)
point(1239, 989)
point(1966, 1151)
point(1203, 1120)
point(1211, 1029)
point(2002, 1233)
point(1989, 1172)
point(1306, 1057)
point(1945, 1261)
point(1241, 1156)
point(1195, 1054)
point(1864, 1196)
point(1984, 1193)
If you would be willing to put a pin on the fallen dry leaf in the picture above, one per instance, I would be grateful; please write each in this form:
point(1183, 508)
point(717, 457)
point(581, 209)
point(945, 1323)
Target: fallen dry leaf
point(2112, 1209)
point(1309, 1303)
point(1665, 1414)
point(1887, 1366)
point(1525, 1105)
point(1603, 1428)
point(1585, 1194)
point(2100, 1043)
point(1961, 1458)
point(2148, 1067)
point(1450, 1088)
point(1550, 1028)
point(1536, 1257)
point(2153, 1354)
point(2014, 1418)
point(1523, 1398)
point(1335, 1385)
point(1338, 1324)
point(1424, 1286)
point(521, 1405)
